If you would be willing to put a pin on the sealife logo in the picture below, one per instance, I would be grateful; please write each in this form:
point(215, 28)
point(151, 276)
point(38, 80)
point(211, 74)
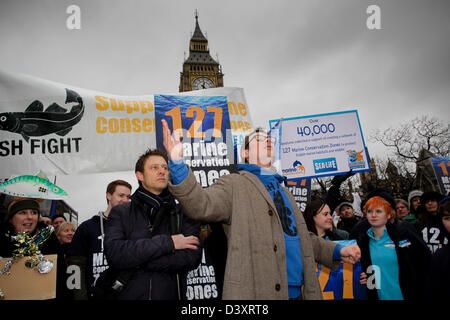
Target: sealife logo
point(37, 122)
point(297, 168)
point(355, 159)
point(325, 165)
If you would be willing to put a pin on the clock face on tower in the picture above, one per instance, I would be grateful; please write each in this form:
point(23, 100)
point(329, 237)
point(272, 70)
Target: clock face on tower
point(202, 83)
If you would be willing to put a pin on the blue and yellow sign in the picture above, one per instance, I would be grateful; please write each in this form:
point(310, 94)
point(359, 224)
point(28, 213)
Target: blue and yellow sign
point(342, 283)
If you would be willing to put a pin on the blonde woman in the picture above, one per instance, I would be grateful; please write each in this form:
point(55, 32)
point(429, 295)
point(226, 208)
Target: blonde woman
point(65, 232)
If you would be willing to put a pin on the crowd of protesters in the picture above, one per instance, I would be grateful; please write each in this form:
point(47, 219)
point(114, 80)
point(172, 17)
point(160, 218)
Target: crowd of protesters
point(406, 239)
point(262, 246)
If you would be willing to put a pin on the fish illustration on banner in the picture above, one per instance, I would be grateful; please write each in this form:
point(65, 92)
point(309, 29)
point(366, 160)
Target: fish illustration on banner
point(29, 186)
point(36, 122)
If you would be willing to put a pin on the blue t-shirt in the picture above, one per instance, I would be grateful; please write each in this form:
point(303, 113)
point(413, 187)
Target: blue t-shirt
point(384, 256)
point(294, 263)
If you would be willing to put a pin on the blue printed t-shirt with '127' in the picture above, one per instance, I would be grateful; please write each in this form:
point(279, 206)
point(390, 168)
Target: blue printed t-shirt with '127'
point(294, 263)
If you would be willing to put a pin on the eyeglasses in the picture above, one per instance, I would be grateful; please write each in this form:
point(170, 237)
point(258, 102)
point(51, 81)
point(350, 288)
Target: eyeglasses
point(261, 137)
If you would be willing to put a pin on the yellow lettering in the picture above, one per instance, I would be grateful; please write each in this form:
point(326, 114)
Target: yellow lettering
point(129, 106)
point(136, 125)
point(103, 105)
point(100, 125)
point(324, 276)
point(239, 109)
point(125, 125)
point(232, 109)
point(348, 281)
point(113, 125)
point(199, 113)
point(443, 167)
point(175, 114)
point(144, 110)
point(242, 109)
point(218, 116)
point(117, 107)
point(131, 109)
point(147, 125)
point(240, 126)
point(233, 125)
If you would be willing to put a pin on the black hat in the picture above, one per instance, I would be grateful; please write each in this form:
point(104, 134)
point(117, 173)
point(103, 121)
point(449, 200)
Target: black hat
point(383, 193)
point(431, 195)
point(21, 204)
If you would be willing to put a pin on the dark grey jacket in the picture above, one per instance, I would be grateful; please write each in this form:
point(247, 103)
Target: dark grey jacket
point(160, 269)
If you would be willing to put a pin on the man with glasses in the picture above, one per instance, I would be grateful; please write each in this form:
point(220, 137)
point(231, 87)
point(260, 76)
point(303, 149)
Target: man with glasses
point(270, 251)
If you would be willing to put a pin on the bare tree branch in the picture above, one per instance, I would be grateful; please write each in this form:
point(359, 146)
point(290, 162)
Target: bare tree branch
point(410, 137)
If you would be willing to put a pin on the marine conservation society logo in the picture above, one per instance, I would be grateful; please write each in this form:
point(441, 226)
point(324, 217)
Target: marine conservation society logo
point(355, 159)
point(297, 168)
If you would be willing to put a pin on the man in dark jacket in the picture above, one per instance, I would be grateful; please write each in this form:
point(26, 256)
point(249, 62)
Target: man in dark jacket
point(439, 276)
point(151, 236)
point(86, 248)
point(429, 223)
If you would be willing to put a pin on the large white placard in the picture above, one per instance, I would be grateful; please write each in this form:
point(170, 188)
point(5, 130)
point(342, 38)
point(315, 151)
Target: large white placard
point(321, 145)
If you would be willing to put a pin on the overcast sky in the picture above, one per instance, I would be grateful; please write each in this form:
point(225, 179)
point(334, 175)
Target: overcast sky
point(293, 58)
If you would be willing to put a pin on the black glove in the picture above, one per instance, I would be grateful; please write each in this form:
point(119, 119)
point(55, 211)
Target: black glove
point(337, 180)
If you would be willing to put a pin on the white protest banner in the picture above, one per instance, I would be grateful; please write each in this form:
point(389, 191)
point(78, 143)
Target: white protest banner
point(322, 145)
point(63, 129)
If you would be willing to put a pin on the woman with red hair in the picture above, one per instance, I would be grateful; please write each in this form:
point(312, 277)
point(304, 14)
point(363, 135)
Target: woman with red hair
point(394, 256)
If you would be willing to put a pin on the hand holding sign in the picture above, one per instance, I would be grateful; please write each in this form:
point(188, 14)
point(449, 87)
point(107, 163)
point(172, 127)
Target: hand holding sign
point(172, 144)
point(338, 180)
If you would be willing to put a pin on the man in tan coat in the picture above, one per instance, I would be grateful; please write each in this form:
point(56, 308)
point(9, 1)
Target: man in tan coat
point(271, 253)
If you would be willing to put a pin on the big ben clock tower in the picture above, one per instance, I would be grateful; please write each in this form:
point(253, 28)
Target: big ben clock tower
point(200, 71)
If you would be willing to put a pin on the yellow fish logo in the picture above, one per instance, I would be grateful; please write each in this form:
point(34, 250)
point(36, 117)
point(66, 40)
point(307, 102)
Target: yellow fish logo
point(355, 156)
